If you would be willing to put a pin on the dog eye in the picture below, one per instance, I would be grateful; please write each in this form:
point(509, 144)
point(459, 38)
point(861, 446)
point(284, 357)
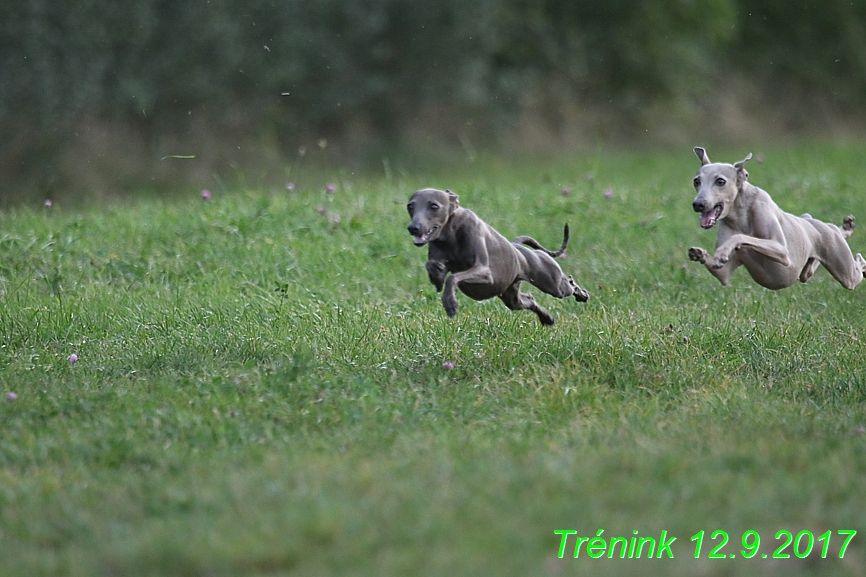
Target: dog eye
point(434, 206)
point(697, 182)
point(410, 207)
point(721, 182)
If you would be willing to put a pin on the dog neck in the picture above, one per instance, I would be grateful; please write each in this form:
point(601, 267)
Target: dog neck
point(448, 236)
point(738, 214)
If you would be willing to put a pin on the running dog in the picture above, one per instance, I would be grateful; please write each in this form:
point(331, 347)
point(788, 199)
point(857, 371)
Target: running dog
point(777, 248)
point(483, 263)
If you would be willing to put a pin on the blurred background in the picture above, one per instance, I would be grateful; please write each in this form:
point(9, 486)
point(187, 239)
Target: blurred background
point(110, 98)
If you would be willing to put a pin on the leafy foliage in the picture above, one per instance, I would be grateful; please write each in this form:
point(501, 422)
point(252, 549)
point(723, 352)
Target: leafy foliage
point(292, 72)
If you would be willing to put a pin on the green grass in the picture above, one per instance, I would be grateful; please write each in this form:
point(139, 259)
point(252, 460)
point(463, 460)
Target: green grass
point(260, 388)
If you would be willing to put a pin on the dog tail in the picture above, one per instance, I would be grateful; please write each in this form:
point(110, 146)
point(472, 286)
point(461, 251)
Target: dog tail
point(531, 242)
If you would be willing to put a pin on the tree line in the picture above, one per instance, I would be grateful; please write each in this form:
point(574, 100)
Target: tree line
point(163, 74)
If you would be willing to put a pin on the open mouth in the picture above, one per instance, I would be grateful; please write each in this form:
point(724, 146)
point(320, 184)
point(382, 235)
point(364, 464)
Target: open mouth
point(422, 239)
point(709, 218)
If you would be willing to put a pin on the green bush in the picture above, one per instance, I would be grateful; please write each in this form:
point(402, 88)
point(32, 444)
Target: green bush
point(819, 46)
point(283, 72)
point(338, 58)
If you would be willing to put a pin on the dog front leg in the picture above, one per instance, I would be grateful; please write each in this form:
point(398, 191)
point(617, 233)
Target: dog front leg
point(720, 271)
point(769, 248)
point(437, 271)
point(478, 274)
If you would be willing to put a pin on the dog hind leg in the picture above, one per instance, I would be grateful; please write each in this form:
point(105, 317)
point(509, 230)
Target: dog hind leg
point(847, 226)
point(811, 266)
point(835, 254)
point(516, 300)
point(545, 274)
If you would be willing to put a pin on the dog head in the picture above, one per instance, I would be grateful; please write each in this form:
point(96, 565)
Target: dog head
point(430, 210)
point(717, 186)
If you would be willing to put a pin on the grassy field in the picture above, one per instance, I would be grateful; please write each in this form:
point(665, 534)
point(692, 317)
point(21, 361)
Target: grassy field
point(259, 386)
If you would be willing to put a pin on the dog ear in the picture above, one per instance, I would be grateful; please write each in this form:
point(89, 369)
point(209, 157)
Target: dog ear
point(453, 200)
point(742, 173)
point(702, 155)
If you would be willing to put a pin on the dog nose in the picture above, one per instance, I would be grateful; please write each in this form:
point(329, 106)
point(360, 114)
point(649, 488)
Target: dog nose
point(699, 206)
point(413, 229)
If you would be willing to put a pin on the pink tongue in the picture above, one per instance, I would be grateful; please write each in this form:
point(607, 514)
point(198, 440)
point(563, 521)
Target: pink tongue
point(708, 218)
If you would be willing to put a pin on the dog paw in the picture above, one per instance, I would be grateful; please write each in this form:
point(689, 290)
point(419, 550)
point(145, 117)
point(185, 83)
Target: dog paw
point(848, 223)
point(720, 260)
point(450, 304)
point(437, 272)
point(435, 267)
point(581, 295)
point(861, 262)
point(698, 254)
point(545, 318)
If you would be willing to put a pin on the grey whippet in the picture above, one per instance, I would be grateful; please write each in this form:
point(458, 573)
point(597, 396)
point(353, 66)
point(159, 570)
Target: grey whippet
point(483, 263)
point(777, 248)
